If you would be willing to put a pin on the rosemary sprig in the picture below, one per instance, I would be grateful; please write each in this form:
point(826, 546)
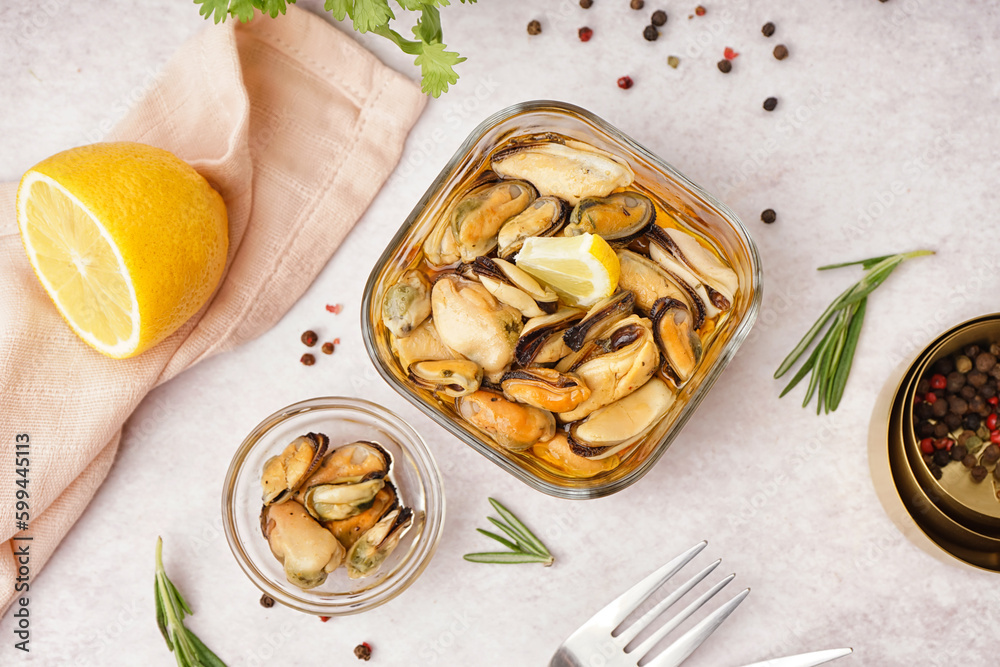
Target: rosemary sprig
point(831, 359)
point(170, 610)
point(523, 545)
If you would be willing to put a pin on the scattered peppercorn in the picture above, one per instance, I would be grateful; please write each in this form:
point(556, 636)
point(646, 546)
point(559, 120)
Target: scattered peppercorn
point(585, 34)
point(637, 4)
point(942, 458)
point(673, 61)
point(625, 82)
point(659, 17)
point(781, 52)
point(327, 348)
point(363, 651)
point(309, 338)
point(324, 619)
point(308, 359)
point(725, 66)
point(985, 362)
point(991, 454)
point(650, 33)
point(770, 103)
point(978, 473)
point(969, 461)
point(972, 421)
point(534, 28)
point(586, 3)
point(335, 308)
point(266, 601)
point(768, 29)
point(972, 351)
point(940, 429)
point(958, 452)
point(699, 10)
point(883, 0)
point(768, 216)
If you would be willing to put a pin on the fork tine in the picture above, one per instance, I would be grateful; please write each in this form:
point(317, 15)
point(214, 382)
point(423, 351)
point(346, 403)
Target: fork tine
point(630, 633)
point(626, 603)
point(646, 646)
point(678, 652)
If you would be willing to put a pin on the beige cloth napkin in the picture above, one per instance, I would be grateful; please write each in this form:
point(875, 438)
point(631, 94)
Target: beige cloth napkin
point(297, 127)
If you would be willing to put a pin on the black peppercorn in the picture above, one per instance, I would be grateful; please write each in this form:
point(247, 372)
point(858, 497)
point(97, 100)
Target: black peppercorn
point(637, 4)
point(991, 454)
point(935, 470)
point(923, 386)
point(942, 457)
point(943, 366)
point(725, 66)
point(534, 28)
point(969, 461)
point(309, 338)
point(363, 651)
point(976, 378)
point(939, 408)
point(940, 430)
point(327, 348)
point(770, 103)
point(958, 405)
point(953, 421)
point(768, 216)
point(985, 362)
point(659, 17)
point(972, 351)
point(958, 452)
point(955, 383)
point(922, 410)
point(266, 601)
point(978, 473)
point(768, 29)
point(972, 421)
point(925, 429)
point(586, 3)
point(650, 33)
point(967, 392)
point(988, 390)
point(781, 52)
point(996, 473)
point(307, 359)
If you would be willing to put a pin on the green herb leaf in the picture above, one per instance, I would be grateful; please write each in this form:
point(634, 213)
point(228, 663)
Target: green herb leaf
point(171, 608)
point(218, 10)
point(438, 68)
point(339, 8)
point(525, 547)
point(829, 365)
point(371, 14)
point(428, 27)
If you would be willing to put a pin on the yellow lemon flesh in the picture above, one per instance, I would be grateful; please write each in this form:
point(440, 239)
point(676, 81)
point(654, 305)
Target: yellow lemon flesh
point(583, 269)
point(128, 240)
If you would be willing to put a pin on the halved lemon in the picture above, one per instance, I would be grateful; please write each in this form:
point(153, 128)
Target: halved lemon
point(128, 240)
point(583, 269)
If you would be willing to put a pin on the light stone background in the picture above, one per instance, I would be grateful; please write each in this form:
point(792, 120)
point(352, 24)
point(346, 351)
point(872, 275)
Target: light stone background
point(884, 140)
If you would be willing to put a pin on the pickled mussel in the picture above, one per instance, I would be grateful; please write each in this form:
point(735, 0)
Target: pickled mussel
point(619, 218)
point(650, 283)
point(541, 340)
point(674, 330)
point(544, 217)
point(423, 344)
point(565, 169)
point(338, 501)
point(478, 217)
point(374, 546)
point(454, 377)
point(602, 316)
point(514, 287)
point(307, 550)
point(559, 454)
point(407, 304)
point(621, 424)
point(545, 388)
point(475, 324)
point(284, 474)
point(720, 280)
point(514, 426)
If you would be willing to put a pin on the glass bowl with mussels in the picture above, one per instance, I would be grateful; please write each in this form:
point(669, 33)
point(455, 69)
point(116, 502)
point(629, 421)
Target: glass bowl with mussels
point(561, 299)
point(333, 506)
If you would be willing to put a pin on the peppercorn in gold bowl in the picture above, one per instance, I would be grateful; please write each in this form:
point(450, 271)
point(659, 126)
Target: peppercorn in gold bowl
point(561, 300)
point(294, 506)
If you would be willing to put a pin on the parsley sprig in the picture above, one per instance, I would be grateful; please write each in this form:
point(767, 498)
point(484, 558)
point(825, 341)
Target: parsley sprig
point(171, 607)
point(437, 65)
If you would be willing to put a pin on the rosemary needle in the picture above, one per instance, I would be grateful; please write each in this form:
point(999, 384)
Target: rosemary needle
point(829, 364)
point(523, 545)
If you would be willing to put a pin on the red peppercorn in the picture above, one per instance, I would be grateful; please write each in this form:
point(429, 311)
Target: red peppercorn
point(625, 82)
point(699, 10)
point(938, 381)
point(324, 618)
point(927, 445)
point(995, 437)
point(585, 34)
point(991, 422)
point(930, 397)
point(729, 53)
point(948, 444)
point(940, 443)
point(993, 400)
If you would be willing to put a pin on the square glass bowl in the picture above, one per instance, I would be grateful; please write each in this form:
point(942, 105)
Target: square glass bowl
point(692, 207)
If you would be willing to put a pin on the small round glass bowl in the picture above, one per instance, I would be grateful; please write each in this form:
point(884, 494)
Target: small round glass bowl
point(344, 420)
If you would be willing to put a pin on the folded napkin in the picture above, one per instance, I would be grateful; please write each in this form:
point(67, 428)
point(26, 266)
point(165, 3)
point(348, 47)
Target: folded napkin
point(297, 127)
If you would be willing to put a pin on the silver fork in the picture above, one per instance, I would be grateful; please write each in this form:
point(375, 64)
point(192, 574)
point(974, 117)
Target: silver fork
point(594, 643)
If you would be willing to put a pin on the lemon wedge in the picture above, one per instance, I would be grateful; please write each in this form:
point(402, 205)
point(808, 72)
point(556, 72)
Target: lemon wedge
point(128, 240)
point(583, 269)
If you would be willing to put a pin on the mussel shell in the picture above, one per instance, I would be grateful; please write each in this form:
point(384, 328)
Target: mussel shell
point(602, 316)
point(673, 328)
point(699, 294)
point(704, 263)
point(544, 217)
point(545, 388)
point(619, 218)
point(514, 286)
point(453, 377)
point(513, 426)
point(541, 339)
point(285, 473)
point(478, 217)
point(354, 462)
point(651, 282)
point(375, 545)
point(569, 170)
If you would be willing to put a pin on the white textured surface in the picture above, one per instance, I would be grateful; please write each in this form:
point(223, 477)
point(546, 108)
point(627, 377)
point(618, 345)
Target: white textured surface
point(884, 140)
